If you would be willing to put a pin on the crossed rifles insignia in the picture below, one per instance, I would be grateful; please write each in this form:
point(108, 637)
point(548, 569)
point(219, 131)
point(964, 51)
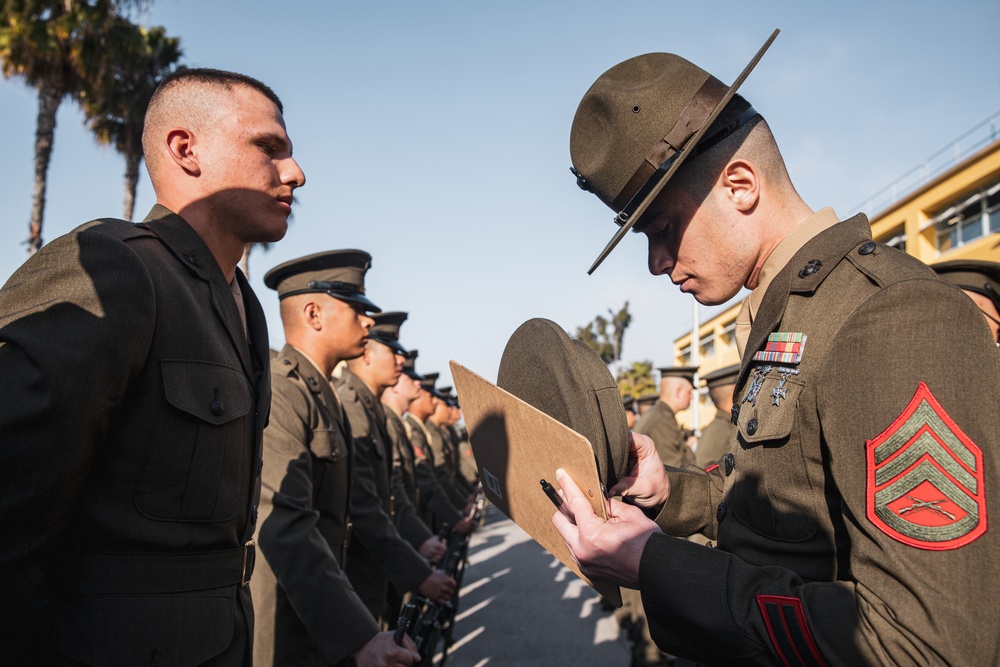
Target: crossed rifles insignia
point(925, 479)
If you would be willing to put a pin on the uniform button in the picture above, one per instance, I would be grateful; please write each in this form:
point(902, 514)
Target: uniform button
point(810, 268)
point(253, 515)
point(867, 248)
point(729, 462)
point(736, 413)
point(217, 407)
point(720, 513)
point(751, 426)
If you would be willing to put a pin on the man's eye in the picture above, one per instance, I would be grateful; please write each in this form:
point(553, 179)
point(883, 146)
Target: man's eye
point(267, 148)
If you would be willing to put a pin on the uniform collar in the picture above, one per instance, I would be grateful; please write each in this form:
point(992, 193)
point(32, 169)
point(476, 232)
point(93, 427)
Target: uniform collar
point(802, 233)
point(802, 275)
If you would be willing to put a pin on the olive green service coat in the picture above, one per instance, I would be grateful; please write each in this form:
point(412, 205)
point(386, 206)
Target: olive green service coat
point(307, 612)
point(435, 501)
point(851, 520)
point(714, 441)
point(403, 481)
point(660, 424)
point(377, 554)
point(444, 464)
point(133, 406)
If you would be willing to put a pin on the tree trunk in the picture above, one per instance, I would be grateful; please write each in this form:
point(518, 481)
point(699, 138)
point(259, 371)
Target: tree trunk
point(132, 162)
point(49, 98)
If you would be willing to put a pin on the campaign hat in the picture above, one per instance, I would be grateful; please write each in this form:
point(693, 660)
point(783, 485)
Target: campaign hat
point(339, 273)
point(639, 122)
point(568, 381)
point(386, 330)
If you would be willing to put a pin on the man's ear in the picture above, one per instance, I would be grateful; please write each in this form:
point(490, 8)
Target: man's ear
point(313, 315)
point(741, 181)
point(181, 146)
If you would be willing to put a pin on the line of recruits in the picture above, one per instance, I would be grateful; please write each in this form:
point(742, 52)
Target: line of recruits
point(360, 475)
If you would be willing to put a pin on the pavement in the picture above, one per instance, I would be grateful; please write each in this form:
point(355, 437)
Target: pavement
point(519, 607)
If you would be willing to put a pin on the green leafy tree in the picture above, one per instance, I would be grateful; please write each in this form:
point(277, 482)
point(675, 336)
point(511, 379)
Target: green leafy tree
point(118, 87)
point(605, 335)
point(48, 43)
point(637, 379)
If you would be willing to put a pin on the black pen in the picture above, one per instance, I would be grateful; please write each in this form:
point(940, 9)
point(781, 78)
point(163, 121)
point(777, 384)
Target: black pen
point(551, 493)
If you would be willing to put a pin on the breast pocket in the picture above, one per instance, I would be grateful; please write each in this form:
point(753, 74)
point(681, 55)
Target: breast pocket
point(771, 492)
point(331, 472)
point(196, 463)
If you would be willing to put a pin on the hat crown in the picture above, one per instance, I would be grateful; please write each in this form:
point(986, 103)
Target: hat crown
point(628, 110)
point(336, 270)
point(388, 324)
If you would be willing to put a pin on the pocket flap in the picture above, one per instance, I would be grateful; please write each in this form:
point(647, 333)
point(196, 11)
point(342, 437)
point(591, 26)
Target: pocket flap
point(771, 415)
point(211, 392)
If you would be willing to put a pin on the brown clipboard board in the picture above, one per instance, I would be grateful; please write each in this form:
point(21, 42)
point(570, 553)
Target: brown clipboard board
point(516, 445)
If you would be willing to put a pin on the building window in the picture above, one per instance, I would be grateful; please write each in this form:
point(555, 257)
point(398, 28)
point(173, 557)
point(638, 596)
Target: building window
point(969, 219)
point(729, 333)
point(707, 346)
point(895, 239)
point(686, 356)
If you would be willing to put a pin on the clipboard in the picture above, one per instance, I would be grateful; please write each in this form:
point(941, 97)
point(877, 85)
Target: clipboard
point(516, 445)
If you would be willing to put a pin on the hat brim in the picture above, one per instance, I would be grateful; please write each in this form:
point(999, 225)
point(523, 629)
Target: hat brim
point(359, 299)
point(662, 176)
point(568, 381)
point(391, 344)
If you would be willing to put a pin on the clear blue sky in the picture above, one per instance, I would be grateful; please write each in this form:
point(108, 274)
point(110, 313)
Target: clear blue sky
point(435, 135)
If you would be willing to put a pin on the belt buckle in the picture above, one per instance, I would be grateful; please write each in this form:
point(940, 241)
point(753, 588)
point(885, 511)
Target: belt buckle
point(249, 559)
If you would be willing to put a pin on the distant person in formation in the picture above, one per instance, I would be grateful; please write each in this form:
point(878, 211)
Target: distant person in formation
point(133, 359)
point(660, 421)
point(645, 402)
point(853, 524)
point(628, 402)
point(980, 280)
point(717, 436)
point(307, 611)
point(378, 555)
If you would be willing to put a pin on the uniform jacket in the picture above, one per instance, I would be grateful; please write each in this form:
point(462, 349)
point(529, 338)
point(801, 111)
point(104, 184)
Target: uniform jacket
point(850, 517)
point(133, 406)
point(660, 424)
point(444, 463)
point(435, 501)
point(714, 441)
point(377, 554)
point(307, 611)
point(404, 482)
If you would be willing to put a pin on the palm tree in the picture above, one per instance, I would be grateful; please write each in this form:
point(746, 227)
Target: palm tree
point(44, 42)
point(117, 91)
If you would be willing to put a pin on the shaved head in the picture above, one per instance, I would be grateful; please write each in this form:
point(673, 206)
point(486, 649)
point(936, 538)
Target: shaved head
point(194, 99)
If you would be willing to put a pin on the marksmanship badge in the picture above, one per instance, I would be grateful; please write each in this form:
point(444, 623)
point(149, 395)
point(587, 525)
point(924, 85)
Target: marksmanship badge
point(925, 479)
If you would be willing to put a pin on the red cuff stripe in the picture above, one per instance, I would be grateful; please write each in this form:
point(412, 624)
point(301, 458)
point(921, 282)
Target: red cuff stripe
point(788, 629)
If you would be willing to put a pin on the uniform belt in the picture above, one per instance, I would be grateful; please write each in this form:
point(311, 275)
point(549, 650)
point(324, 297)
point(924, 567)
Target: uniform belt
point(139, 572)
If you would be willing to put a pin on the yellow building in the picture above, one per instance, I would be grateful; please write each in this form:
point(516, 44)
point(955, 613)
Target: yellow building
point(947, 208)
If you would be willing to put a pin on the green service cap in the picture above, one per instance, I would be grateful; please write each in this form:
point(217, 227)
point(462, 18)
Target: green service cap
point(386, 330)
point(973, 275)
point(339, 273)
